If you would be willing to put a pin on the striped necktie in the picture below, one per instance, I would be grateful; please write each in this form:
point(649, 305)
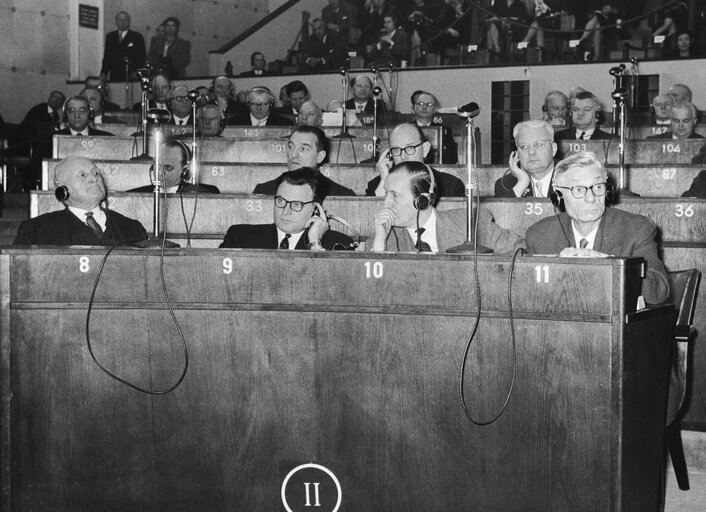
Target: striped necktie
point(421, 246)
point(583, 243)
point(93, 224)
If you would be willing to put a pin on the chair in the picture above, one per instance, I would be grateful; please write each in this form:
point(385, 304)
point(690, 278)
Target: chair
point(683, 285)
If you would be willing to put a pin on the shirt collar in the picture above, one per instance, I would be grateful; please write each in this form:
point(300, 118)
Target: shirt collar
point(83, 133)
point(293, 239)
point(591, 237)
point(98, 214)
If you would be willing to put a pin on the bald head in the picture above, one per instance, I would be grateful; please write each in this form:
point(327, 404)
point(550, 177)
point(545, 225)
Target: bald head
point(83, 181)
point(362, 88)
point(310, 114)
point(679, 93)
point(408, 135)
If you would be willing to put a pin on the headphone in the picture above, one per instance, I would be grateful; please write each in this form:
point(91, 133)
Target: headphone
point(557, 197)
point(61, 193)
point(424, 200)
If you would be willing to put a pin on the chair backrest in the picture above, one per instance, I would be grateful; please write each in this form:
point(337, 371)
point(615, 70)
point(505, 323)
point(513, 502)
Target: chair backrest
point(683, 286)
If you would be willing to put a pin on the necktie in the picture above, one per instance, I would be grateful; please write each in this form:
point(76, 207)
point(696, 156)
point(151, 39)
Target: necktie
point(538, 189)
point(93, 224)
point(166, 49)
point(121, 35)
point(583, 134)
point(583, 243)
point(420, 245)
point(181, 122)
point(284, 244)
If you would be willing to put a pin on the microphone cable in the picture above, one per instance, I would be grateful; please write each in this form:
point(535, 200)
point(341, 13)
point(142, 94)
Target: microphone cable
point(89, 344)
point(464, 361)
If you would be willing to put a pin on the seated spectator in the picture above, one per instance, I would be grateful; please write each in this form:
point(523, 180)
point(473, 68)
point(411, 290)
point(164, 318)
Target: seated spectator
point(661, 107)
point(258, 66)
point(223, 91)
point(556, 109)
point(180, 106)
point(323, 49)
point(78, 114)
point(79, 186)
point(585, 228)
point(307, 147)
point(408, 144)
point(210, 121)
point(170, 53)
point(370, 21)
point(95, 100)
point(310, 114)
point(160, 93)
point(424, 105)
point(41, 122)
point(362, 101)
point(392, 46)
point(339, 17)
point(175, 172)
point(300, 221)
point(585, 113)
point(679, 93)
point(606, 16)
point(96, 82)
point(682, 118)
point(260, 102)
point(297, 93)
point(531, 169)
point(684, 46)
point(675, 18)
point(408, 220)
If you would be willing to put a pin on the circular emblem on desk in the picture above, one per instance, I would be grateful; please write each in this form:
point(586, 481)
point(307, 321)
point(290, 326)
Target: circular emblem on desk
point(311, 487)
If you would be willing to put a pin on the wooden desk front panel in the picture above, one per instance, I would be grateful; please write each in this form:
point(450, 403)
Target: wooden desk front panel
point(371, 395)
point(636, 151)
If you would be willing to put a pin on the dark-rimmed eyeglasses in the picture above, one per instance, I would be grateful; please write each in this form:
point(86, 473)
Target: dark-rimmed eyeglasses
point(425, 104)
point(579, 191)
point(296, 206)
point(409, 150)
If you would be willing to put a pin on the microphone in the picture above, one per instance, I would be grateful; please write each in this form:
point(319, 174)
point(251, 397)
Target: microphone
point(377, 90)
point(142, 73)
point(126, 60)
point(617, 70)
point(158, 115)
point(469, 110)
point(633, 61)
point(343, 71)
point(193, 95)
point(619, 94)
point(373, 70)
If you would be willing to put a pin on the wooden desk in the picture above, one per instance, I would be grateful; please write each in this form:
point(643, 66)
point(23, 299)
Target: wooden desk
point(636, 151)
point(359, 377)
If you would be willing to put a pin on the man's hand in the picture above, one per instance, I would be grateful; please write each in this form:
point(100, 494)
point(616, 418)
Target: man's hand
point(523, 179)
point(383, 221)
point(576, 252)
point(383, 168)
point(318, 226)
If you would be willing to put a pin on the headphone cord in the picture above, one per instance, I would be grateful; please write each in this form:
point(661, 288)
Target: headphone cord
point(188, 224)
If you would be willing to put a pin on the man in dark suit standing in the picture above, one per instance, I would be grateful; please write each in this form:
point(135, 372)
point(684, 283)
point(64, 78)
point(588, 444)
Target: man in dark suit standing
point(122, 46)
point(585, 113)
point(300, 221)
point(532, 165)
point(585, 228)
point(79, 186)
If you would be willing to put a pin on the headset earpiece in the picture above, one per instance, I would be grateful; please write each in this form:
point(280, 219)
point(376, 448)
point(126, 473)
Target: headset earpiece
point(424, 200)
point(609, 193)
point(61, 193)
point(557, 198)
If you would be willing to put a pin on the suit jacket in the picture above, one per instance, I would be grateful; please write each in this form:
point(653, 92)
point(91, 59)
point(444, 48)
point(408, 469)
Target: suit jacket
point(272, 120)
point(570, 134)
point(178, 56)
point(669, 135)
point(395, 53)
point(451, 226)
point(132, 46)
point(172, 120)
point(64, 228)
point(698, 187)
point(332, 50)
point(264, 236)
point(505, 184)
point(621, 234)
point(38, 127)
point(331, 188)
point(186, 188)
point(450, 148)
point(447, 185)
point(369, 110)
point(251, 73)
point(92, 132)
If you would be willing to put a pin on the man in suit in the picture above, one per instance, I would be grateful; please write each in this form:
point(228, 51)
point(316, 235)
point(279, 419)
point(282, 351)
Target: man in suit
point(408, 144)
point(179, 105)
point(260, 102)
point(310, 114)
point(176, 158)
point(95, 100)
point(409, 221)
point(78, 114)
point(224, 91)
point(362, 101)
point(170, 53)
point(556, 109)
point(307, 147)
point(392, 46)
point(121, 46)
point(38, 127)
point(323, 49)
point(79, 186)
point(679, 93)
point(339, 18)
point(258, 65)
point(161, 85)
point(300, 221)
point(585, 113)
point(532, 165)
point(698, 187)
point(424, 106)
point(209, 121)
point(661, 106)
point(682, 121)
point(96, 82)
point(585, 228)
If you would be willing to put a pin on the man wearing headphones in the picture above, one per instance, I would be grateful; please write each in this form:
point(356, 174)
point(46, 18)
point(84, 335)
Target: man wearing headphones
point(210, 121)
point(175, 171)
point(409, 221)
point(585, 113)
point(80, 187)
point(556, 108)
point(260, 102)
point(223, 91)
point(583, 227)
point(78, 113)
point(300, 221)
point(160, 93)
point(179, 105)
point(682, 120)
point(532, 165)
point(96, 102)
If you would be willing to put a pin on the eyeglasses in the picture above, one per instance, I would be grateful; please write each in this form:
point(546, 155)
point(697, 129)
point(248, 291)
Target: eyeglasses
point(428, 104)
point(296, 206)
point(259, 105)
point(73, 110)
point(409, 149)
point(180, 99)
point(536, 145)
point(683, 121)
point(579, 191)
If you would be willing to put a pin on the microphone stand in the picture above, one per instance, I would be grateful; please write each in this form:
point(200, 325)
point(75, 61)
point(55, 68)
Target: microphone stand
point(156, 240)
point(377, 91)
point(617, 74)
point(127, 80)
point(619, 96)
point(146, 89)
point(195, 157)
point(344, 124)
point(470, 245)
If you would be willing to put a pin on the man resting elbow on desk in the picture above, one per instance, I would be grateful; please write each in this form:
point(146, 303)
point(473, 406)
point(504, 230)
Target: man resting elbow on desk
point(585, 228)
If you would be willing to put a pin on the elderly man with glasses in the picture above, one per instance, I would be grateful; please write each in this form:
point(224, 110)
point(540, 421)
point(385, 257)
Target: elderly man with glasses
point(584, 227)
point(532, 165)
point(300, 221)
point(682, 120)
point(408, 144)
point(424, 107)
